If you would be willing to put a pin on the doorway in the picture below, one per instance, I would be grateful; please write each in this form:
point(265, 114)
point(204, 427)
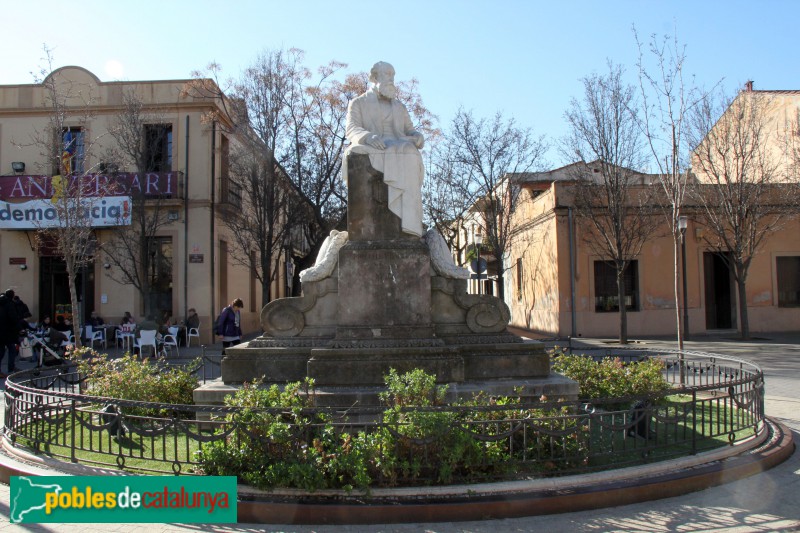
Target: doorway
point(54, 288)
point(720, 291)
point(161, 276)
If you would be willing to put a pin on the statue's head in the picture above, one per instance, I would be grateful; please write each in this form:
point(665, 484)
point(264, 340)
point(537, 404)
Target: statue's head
point(382, 76)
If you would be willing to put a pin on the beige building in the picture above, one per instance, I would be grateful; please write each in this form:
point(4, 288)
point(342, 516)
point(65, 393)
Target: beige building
point(556, 286)
point(192, 260)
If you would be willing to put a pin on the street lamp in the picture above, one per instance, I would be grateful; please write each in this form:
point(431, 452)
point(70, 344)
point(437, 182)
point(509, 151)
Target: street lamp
point(683, 223)
point(478, 240)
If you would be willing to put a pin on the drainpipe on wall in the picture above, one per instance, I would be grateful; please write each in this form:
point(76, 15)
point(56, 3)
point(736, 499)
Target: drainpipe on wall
point(571, 268)
point(186, 225)
point(212, 258)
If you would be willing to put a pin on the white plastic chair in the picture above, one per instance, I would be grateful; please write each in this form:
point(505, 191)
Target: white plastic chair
point(93, 336)
point(172, 340)
point(192, 332)
point(70, 339)
point(147, 337)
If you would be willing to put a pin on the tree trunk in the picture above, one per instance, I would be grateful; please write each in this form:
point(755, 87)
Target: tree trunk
point(73, 298)
point(266, 285)
point(741, 288)
point(501, 288)
point(623, 311)
point(147, 289)
point(675, 277)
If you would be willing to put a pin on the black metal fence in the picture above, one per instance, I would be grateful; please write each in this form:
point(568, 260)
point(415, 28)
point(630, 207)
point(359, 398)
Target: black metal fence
point(715, 401)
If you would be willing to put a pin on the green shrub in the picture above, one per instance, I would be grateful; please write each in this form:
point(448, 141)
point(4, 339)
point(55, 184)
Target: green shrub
point(611, 378)
point(414, 388)
point(278, 443)
point(420, 442)
point(130, 378)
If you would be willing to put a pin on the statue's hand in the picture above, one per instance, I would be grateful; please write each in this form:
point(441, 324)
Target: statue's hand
point(375, 141)
point(419, 140)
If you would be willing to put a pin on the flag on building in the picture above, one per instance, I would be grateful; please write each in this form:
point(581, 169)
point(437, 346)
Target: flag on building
point(67, 154)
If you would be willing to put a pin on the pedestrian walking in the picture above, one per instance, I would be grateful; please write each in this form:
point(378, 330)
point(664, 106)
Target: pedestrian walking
point(10, 330)
point(229, 324)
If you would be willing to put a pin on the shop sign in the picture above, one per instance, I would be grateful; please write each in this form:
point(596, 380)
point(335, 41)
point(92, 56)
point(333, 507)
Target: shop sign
point(17, 260)
point(195, 258)
point(38, 214)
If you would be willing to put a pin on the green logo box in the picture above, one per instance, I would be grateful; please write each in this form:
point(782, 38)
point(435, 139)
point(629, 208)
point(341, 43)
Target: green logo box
point(123, 499)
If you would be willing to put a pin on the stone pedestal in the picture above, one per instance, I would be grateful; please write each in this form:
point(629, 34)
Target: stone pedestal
point(388, 291)
point(381, 308)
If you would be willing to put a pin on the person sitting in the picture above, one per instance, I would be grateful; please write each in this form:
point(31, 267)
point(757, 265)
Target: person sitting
point(166, 319)
point(192, 322)
point(127, 318)
point(43, 327)
point(150, 324)
point(95, 320)
point(62, 324)
point(60, 331)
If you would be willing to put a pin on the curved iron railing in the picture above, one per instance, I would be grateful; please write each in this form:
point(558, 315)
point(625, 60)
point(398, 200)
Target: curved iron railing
point(716, 400)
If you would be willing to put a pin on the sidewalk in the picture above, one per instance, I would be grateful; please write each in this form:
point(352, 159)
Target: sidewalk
point(766, 502)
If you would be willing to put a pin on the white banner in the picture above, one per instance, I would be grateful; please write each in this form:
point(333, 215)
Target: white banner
point(99, 212)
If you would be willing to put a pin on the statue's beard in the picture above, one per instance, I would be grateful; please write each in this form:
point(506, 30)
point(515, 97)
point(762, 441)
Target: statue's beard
point(387, 89)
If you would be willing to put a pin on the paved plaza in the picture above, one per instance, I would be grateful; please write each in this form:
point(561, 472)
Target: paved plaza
point(766, 502)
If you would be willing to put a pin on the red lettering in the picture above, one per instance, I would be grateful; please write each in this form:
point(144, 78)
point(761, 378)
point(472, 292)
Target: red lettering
point(148, 504)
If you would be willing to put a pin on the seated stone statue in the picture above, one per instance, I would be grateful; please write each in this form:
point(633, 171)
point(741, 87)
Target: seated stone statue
point(379, 125)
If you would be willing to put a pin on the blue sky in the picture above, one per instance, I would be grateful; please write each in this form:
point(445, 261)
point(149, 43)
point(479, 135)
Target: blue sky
point(524, 58)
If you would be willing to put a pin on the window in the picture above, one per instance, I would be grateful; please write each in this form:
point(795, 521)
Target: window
point(788, 281)
point(519, 279)
point(72, 151)
point(231, 193)
point(230, 190)
point(605, 287)
point(224, 156)
point(158, 147)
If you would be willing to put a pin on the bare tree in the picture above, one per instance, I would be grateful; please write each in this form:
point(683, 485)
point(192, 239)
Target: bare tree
point(667, 98)
point(446, 197)
point(259, 111)
point(269, 91)
point(611, 197)
point(489, 154)
point(266, 210)
point(743, 182)
point(299, 120)
point(139, 138)
point(64, 147)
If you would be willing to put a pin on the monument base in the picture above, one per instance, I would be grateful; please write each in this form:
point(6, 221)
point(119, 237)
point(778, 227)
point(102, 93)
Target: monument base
point(347, 375)
point(357, 366)
point(378, 300)
point(554, 387)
